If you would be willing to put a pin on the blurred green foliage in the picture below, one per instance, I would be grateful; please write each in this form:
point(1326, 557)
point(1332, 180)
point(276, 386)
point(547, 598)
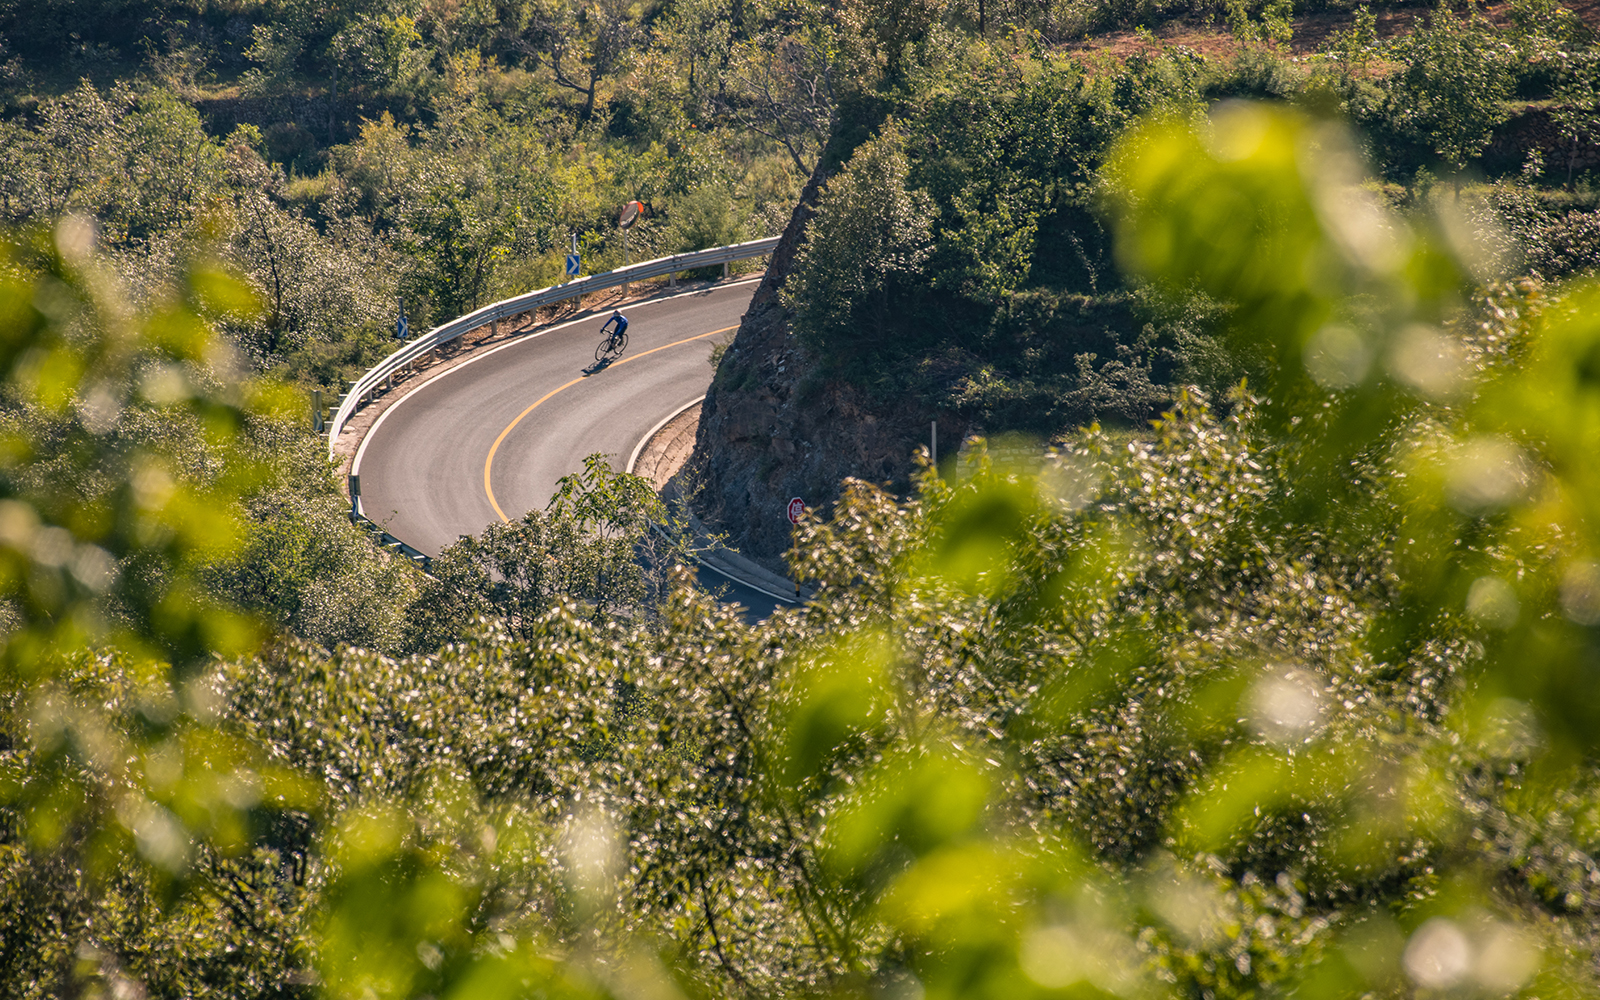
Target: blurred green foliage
point(1287, 694)
point(1286, 700)
point(127, 445)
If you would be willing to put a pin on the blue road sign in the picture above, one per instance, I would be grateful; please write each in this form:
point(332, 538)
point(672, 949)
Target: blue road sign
point(401, 328)
point(573, 264)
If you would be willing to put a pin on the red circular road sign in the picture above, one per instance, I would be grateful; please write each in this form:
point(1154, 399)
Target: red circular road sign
point(797, 507)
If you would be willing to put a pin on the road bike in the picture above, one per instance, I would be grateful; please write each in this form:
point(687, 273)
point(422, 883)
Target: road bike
point(612, 347)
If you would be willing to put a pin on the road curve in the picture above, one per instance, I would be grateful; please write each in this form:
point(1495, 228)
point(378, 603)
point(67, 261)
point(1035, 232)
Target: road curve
point(516, 419)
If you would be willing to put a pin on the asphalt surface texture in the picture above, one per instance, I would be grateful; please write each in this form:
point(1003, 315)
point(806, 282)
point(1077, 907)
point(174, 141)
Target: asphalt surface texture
point(489, 439)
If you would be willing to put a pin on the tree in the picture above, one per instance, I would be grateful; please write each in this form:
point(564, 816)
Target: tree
point(584, 44)
point(139, 161)
point(1287, 693)
point(316, 285)
point(305, 568)
point(1577, 93)
point(381, 52)
point(463, 199)
point(1452, 92)
point(1274, 29)
point(63, 163)
point(1357, 44)
point(593, 544)
point(870, 238)
point(276, 50)
point(783, 87)
point(889, 27)
point(700, 35)
point(707, 217)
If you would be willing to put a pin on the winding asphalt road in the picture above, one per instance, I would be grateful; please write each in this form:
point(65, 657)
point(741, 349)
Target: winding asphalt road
point(488, 439)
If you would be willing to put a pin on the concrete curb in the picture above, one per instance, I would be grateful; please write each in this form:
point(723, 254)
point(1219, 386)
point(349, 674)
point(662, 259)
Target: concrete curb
point(644, 443)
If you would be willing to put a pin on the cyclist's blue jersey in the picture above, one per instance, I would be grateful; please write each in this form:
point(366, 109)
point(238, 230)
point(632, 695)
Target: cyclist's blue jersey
point(622, 324)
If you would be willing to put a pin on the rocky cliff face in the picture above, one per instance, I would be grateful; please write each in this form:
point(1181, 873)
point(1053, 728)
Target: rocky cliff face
point(772, 428)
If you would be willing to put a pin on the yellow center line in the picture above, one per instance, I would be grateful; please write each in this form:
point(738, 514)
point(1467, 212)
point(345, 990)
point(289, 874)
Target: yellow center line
point(488, 464)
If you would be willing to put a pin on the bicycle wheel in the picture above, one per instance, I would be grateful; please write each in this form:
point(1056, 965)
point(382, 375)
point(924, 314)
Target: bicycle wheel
point(601, 351)
point(620, 342)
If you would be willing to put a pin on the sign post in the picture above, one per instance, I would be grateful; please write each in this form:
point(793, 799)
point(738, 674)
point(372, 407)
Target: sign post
point(630, 214)
point(797, 507)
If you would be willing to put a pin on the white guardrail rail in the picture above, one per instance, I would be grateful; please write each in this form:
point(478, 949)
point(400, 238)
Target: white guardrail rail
point(367, 384)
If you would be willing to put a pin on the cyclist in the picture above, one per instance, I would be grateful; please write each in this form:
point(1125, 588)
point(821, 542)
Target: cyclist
point(617, 338)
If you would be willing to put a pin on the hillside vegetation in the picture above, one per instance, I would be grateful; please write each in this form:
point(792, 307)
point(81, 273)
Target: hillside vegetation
point(962, 259)
point(1287, 692)
point(959, 268)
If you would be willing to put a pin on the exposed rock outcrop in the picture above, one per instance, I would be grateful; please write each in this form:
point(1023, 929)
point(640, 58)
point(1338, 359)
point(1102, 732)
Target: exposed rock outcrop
point(1535, 128)
point(773, 428)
